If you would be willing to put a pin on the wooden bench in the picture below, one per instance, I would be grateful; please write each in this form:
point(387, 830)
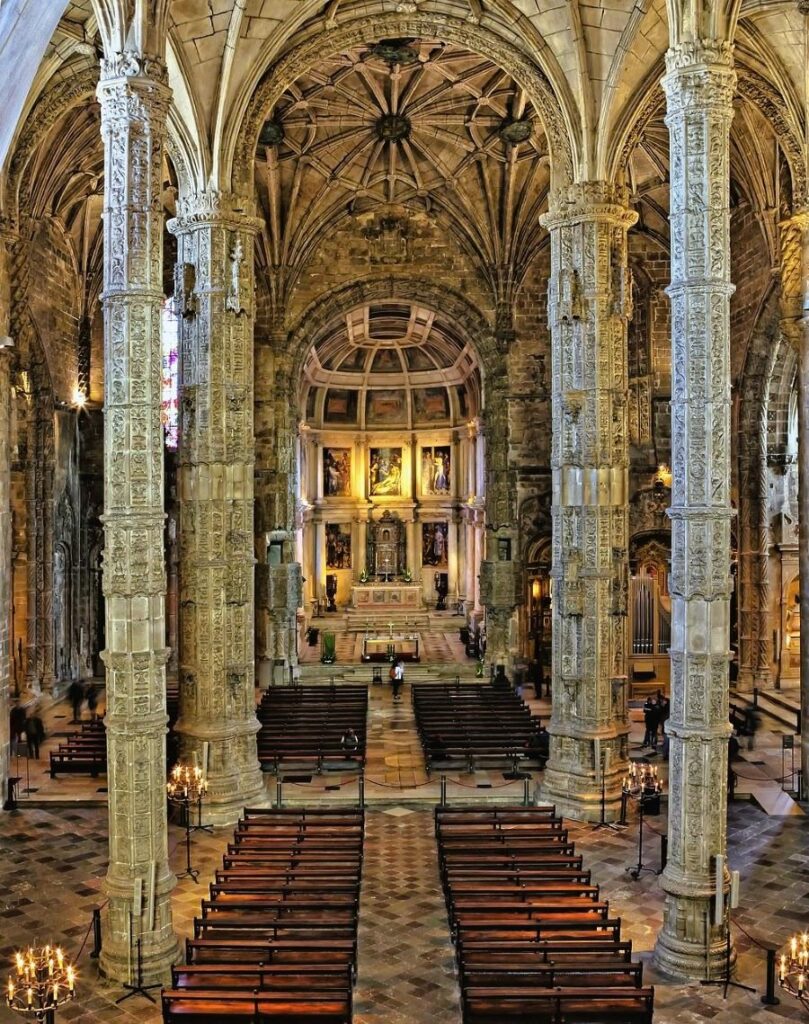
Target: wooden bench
point(486, 1005)
point(302, 1006)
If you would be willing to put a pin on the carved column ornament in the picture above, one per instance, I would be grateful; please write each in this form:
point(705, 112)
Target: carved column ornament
point(215, 236)
point(6, 580)
point(589, 298)
point(134, 98)
point(795, 324)
point(699, 85)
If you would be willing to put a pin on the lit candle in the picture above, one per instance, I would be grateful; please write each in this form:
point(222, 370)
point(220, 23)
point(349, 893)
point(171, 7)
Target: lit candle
point(783, 967)
point(10, 991)
point(56, 992)
point(60, 957)
point(793, 947)
point(50, 967)
point(70, 978)
point(801, 982)
point(30, 996)
point(19, 964)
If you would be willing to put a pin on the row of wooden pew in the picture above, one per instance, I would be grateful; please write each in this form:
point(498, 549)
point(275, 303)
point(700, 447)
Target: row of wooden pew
point(302, 727)
point(277, 938)
point(474, 725)
point(83, 752)
point(534, 940)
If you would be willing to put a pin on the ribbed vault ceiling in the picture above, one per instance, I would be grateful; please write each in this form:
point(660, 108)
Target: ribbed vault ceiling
point(415, 122)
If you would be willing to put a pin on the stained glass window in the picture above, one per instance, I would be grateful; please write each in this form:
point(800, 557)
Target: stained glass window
point(169, 399)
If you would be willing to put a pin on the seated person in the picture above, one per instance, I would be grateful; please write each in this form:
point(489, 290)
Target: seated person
point(349, 741)
point(540, 745)
point(438, 749)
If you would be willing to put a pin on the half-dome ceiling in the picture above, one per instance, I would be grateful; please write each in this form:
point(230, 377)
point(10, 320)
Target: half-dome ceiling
point(402, 358)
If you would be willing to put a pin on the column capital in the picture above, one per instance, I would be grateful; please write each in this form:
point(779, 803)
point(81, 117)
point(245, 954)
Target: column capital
point(214, 208)
point(133, 87)
point(699, 74)
point(588, 201)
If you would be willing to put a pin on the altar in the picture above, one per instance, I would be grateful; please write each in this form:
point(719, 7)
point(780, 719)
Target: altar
point(382, 597)
point(388, 648)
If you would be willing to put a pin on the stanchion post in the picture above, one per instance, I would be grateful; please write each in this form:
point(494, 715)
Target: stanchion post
point(361, 789)
point(443, 791)
point(526, 792)
point(279, 795)
point(94, 952)
point(624, 800)
point(770, 998)
point(664, 853)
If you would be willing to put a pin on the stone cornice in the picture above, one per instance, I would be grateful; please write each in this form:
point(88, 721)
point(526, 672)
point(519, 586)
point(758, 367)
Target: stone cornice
point(214, 207)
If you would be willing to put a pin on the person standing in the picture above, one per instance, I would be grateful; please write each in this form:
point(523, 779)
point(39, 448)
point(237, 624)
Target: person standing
point(35, 732)
point(16, 726)
point(76, 696)
point(92, 701)
point(398, 679)
point(651, 720)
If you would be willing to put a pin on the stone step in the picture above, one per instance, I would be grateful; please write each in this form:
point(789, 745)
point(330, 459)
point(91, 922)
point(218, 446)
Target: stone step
point(780, 713)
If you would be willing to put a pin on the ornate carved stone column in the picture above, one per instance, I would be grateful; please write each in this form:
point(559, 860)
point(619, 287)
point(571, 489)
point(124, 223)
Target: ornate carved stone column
point(214, 292)
point(699, 85)
point(279, 580)
point(6, 582)
point(590, 305)
point(134, 98)
point(795, 324)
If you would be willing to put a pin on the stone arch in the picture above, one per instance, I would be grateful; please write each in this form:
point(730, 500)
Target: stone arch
point(237, 160)
point(439, 297)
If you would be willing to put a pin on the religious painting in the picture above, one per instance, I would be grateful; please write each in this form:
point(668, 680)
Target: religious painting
point(434, 544)
point(338, 546)
point(385, 471)
point(386, 361)
point(435, 469)
point(417, 359)
point(386, 407)
point(340, 407)
point(336, 472)
point(431, 405)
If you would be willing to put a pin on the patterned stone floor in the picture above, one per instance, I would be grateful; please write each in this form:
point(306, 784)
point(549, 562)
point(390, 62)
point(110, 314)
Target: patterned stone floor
point(53, 864)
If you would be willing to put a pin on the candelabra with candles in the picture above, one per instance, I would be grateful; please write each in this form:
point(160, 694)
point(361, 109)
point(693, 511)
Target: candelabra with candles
point(793, 968)
point(643, 785)
point(187, 786)
point(41, 980)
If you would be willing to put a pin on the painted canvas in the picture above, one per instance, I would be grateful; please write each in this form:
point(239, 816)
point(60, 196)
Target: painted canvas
point(341, 406)
point(431, 405)
point(434, 544)
point(385, 471)
point(435, 469)
point(386, 407)
point(338, 546)
point(336, 472)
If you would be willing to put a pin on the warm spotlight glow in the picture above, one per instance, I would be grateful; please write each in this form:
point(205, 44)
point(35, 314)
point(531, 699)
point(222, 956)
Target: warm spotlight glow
point(79, 398)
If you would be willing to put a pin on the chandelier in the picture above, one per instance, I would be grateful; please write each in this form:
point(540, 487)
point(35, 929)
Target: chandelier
point(793, 968)
point(41, 980)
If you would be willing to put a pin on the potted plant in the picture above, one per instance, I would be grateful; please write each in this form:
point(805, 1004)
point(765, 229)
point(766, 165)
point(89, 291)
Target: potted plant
point(407, 576)
point(328, 649)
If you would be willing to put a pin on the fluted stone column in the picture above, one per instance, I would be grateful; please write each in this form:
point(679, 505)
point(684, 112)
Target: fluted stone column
point(699, 85)
point(795, 324)
point(134, 98)
point(590, 305)
point(215, 238)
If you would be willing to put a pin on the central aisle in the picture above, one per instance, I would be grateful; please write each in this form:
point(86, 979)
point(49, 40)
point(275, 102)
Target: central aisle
point(405, 954)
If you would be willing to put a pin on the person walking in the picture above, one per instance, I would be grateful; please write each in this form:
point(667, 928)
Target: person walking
point(35, 732)
point(16, 727)
point(75, 694)
point(398, 679)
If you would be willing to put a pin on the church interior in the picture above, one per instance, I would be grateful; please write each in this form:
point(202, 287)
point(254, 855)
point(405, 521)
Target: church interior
point(404, 449)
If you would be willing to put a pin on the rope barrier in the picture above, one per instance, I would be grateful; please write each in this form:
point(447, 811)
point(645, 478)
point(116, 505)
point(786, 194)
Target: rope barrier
point(87, 933)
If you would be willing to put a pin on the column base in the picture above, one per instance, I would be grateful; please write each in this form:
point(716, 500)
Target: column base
point(579, 796)
point(229, 795)
point(689, 946)
point(160, 948)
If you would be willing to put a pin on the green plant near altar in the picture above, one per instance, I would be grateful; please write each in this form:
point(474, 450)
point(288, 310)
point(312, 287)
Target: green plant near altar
point(364, 576)
point(407, 576)
point(479, 669)
point(328, 649)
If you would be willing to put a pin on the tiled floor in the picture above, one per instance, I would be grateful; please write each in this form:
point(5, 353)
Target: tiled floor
point(54, 861)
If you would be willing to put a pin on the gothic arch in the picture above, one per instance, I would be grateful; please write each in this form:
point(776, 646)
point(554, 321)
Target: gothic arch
point(237, 157)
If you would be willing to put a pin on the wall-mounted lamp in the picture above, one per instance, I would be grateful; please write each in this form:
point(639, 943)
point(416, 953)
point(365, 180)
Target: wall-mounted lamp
point(79, 398)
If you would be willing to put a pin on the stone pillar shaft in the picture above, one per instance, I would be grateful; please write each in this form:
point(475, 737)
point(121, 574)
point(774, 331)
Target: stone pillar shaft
point(134, 98)
point(6, 579)
point(590, 307)
point(216, 456)
point(699, 87)
point(795, 323)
